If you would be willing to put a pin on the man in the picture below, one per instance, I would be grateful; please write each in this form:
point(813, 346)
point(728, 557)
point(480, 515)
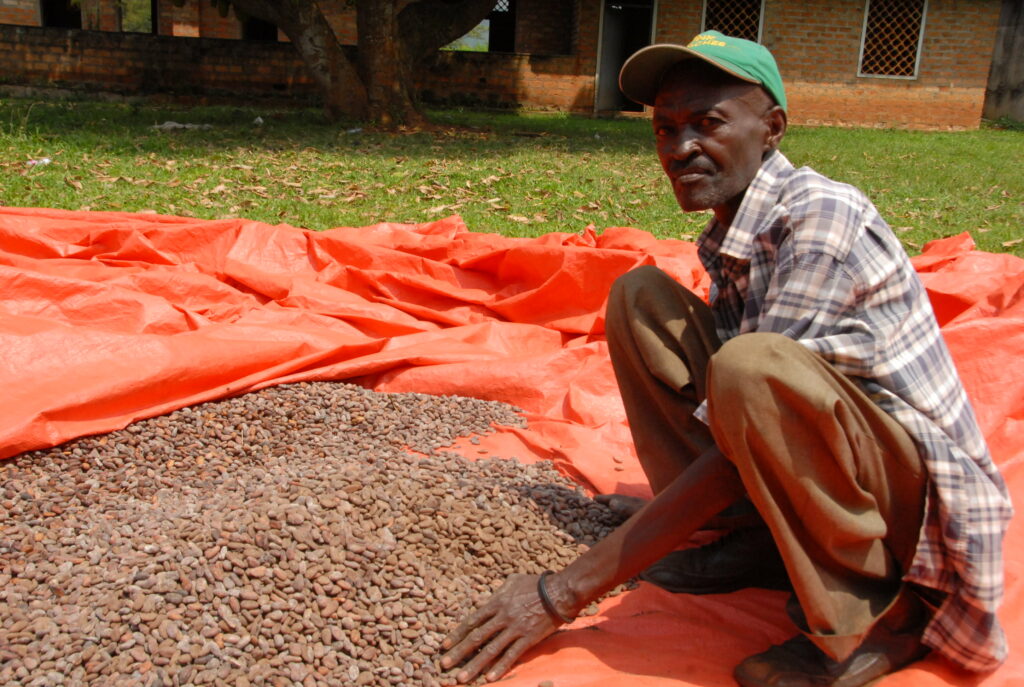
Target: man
point(832, 412)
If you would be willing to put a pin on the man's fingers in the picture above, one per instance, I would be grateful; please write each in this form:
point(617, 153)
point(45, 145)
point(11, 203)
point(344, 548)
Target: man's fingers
point(483, 639)
point(478, 618)
point(486, 656)
point(471, 638)
point(511, 655)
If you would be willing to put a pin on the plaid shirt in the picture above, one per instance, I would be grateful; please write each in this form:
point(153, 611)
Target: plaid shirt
point(812, 259)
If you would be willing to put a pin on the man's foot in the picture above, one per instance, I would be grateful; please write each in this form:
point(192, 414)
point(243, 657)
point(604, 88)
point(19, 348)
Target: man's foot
point(894, 642)
point(742, 558)
point(740, 514)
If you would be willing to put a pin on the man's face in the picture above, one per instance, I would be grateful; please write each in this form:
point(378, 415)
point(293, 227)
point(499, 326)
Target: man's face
point(712, 133)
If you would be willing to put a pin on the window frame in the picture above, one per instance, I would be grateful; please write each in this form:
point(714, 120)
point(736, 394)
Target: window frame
point(917, 54)
point(760, 19)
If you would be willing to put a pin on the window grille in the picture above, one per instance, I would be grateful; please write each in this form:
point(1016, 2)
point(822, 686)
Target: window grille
point(501, 6)
point(740, 18)
point(891, 41)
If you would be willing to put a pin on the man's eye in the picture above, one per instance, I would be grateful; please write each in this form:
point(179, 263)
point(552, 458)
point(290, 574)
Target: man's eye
point(708, 122)
point(662, 131)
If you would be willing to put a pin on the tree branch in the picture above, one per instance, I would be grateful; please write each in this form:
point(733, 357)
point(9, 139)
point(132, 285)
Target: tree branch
point(428, 25)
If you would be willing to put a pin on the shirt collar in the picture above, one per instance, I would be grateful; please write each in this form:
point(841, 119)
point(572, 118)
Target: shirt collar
point(737, 240)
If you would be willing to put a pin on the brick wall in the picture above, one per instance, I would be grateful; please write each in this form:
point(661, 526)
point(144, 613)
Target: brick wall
point(99, 61)
point(816, 42)
point(480, 79)
point(817, 46)
point(213, 25)
point(100, 15)
point(543, 80)
point(178, 21)
point(588, 19)
point(677, 22)
point(20, 12)
point(343, 20)
point(195, 19)
point(544, 27)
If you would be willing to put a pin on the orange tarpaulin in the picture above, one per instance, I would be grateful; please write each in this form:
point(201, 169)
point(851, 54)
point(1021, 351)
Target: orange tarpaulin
point(108, 318)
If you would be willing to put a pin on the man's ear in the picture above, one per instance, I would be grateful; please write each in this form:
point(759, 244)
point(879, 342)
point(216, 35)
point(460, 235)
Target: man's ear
point(775, 118)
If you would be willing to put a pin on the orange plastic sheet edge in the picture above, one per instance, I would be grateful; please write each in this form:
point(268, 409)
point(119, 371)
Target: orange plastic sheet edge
point(107, 318)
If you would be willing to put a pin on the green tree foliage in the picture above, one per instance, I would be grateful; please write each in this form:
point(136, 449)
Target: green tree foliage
point(136, 16)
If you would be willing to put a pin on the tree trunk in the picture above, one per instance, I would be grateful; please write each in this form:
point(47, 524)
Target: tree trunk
point(330, 67)
point(380, 84)
point(343, 91)
point(383, 66)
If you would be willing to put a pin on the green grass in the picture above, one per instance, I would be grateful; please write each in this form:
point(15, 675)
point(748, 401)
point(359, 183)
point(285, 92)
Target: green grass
point(516, 174)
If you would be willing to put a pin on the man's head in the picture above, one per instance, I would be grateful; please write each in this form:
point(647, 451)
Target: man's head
point(713, 126)
point(643, 72)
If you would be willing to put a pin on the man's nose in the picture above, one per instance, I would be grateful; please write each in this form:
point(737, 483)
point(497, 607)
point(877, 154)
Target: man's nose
point(684, 144)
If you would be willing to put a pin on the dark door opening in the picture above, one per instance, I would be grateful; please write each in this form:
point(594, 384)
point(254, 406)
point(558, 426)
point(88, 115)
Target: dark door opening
point(626, 28)
point(254, 29)
point(61, 13)
point(502, 32)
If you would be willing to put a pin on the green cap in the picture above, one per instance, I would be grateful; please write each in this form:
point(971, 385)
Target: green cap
point(642, 73)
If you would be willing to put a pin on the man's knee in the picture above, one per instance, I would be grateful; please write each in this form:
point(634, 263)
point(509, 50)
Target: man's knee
point(636, 281)
point(648, 289)
point(630, 289)
point(750, 368)
point(743, 379)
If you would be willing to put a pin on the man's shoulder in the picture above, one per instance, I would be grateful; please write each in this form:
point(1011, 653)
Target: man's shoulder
point(824, 215)
point(808, 189)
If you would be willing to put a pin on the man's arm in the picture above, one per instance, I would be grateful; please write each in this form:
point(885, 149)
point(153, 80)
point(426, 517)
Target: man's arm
point(513, 620)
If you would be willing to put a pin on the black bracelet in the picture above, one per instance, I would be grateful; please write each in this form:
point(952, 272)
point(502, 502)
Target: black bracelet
point(545, 600)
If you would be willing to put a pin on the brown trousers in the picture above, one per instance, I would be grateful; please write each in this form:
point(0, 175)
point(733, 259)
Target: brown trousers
point(838, 482)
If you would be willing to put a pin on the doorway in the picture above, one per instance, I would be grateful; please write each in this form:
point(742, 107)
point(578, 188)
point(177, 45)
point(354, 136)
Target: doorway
point(626, 26)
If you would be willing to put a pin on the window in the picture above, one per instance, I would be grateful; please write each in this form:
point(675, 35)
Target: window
point(64, 14)
point(475, 41)
point(891, 42)
point(254, 29)
point(739, 18)
point(496, 33)
point(137, 15)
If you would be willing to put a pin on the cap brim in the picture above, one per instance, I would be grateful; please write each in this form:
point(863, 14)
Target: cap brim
point(641, 75)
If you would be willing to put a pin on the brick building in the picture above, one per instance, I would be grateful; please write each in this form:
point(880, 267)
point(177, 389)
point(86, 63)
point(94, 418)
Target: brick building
point(899, 63)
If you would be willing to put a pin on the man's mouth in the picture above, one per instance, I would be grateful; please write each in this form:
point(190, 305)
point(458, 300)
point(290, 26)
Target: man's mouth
point(691, 175)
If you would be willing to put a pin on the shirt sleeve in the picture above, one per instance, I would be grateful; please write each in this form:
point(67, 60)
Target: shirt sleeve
point(813, 298)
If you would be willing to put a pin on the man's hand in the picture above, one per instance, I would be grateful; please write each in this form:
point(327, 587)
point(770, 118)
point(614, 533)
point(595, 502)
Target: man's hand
point(499, 632)
point(514, 619)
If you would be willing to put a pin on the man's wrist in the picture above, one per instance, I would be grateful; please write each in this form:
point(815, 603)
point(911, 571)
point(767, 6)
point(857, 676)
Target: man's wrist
point(558, 598)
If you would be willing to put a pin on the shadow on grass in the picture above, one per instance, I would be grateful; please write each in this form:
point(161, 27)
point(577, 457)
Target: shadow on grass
point(119, 126)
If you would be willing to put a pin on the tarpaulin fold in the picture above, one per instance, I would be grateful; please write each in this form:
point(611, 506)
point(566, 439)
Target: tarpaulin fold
point(107, 318)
